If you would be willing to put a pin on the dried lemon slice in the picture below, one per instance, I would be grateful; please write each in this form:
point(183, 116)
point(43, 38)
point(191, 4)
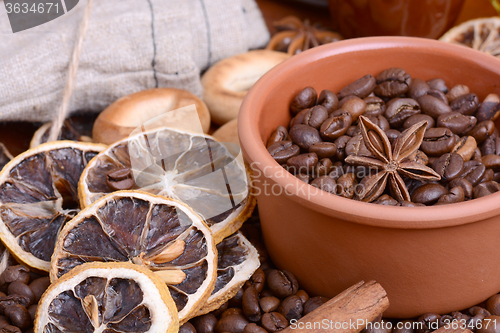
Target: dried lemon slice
point(107, 297)
point(480, 34)
point(159, 233)
point(38, 194)
point(192, 168)
point(237, 261)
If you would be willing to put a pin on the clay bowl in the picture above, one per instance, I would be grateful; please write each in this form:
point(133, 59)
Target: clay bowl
point(429, 259)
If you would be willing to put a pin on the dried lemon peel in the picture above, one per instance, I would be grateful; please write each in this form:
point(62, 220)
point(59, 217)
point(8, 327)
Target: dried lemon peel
point(238, 260)
point(481, 34)
point(156, 304)
point(135, 226)
point(192, 168)
point(35, 187)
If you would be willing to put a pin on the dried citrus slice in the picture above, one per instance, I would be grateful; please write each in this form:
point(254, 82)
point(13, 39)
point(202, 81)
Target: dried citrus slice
point(159, 233)
point(108, 298)
point(75, 128)
point(192, 168)
point(38, 194)
point(237, 261)
point(5, 155)
point(481, 34)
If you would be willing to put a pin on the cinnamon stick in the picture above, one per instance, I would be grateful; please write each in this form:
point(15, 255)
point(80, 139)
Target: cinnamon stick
point(349, 311)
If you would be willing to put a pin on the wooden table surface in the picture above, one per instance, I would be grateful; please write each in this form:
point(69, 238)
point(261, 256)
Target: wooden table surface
point(16, 136)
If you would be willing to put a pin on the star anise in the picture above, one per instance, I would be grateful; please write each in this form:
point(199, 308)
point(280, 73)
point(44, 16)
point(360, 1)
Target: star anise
point(295, 36)
point(390, 163)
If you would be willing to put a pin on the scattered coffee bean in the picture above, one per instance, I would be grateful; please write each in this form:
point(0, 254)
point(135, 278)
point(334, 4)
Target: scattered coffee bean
point(428, 194)
point(418, 87)
point(232, 324)
point(433, 106)
point(19, 316)
point(304, 136)
point(254, 328)
point(279, 134)
point(313, 303)
point(273, 322)
point(187, 328)
point(269, 303)
point(302, 295)
point(15, 273)
point(456, 92)
point(232, 311)
point(375, 106)
point(490, 324)
point(324, 149)
point(392, 82)
point(304, 100)
point(489, 109)
point(250, 304)
point(360, 88)
point(291, 307)
point(205, 323)
point(438, 84)
point(315, 116)
point(23, 290)
point(282, 283)
point(329, 100)
point(39, 286)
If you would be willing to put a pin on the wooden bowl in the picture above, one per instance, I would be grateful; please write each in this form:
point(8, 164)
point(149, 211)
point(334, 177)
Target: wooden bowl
point(429, 259)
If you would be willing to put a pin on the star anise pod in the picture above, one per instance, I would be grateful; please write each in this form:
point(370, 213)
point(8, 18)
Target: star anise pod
point(390, 163)
point(295, 36)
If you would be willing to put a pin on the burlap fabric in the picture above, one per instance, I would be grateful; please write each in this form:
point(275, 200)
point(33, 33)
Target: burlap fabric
point(130, 45)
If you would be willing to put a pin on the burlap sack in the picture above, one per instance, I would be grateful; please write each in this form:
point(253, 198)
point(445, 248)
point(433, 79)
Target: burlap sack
point(130, 45)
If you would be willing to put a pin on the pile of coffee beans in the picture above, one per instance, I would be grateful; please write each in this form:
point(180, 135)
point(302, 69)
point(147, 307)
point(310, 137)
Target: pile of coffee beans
point(461, 142)
point(20, 291)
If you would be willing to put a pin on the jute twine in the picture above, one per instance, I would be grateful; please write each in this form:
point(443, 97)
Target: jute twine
point(60, 115)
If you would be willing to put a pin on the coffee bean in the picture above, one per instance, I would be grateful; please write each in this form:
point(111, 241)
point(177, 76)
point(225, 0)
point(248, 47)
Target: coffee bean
point(120, 179)
point(493, 305)
point(304, 136)
point(4, 321)
point(438, 84)
point(411, 204)
point(477, 310)
point(15, 273)
point(475, 322)
point(418, 87)
point(10, 329)
point(11, 300)
point(323, 167)
point(438, 141)
point(205, 323)
point(303, 163)
point(490, 324)
point(232, 311)
point(418, 157)
point(336, 125)
point(473, 171)
point(325, 183)
point(477, 155)
point(313, 303)
point(273, 322)
point(21, 289)
point(488, 176)
point(490, 145)
point(254, 328)
point(380, 121)
point(283, 150)
point(360, 88)
point(324, 149)
point(347, 185)
point(392, 135)
point(302, 295)
point(187, 328)
point(258, 280)
point(341, 143)
point(456, 92)
point(19, 316)
point(303, 177)
point(491, 162)
point(279, 134)
point(456, 122)
point(482, 131)
point(291, 307)
point(445, 320)
point(439, 95)
point(392, 82)
point(329, 100)
point(466, 104)
point(337, 170)
point(464, 184)
point(221, 308)
point(378, 327)
point(433, 106)
point(39, 286)
point(353, 130)
point(405, 326)
point(315, 116)
point(489, 109)
point(250, 304)
point(400, 109)
point(282, 283)
point(415, 119)
point(345, 99)
point(375, 106)
point(299, 118)
point(486, 188)
point(429, 320)
point(449, 166)
point(356, 107)
point(231, 324)
point(465, 147)
point(428, 194)
point(269, 303)
point(304, 100)
point(386, 200)
point(456, 194)
point(32, 310)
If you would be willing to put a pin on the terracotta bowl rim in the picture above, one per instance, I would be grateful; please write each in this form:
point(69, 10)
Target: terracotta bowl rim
point(350, 210)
